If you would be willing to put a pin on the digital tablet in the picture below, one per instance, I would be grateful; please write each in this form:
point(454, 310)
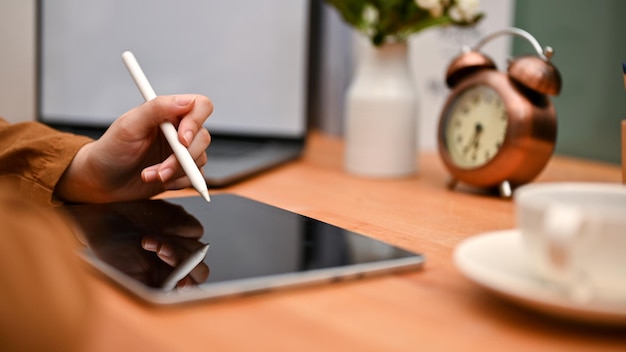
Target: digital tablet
point(185, 249)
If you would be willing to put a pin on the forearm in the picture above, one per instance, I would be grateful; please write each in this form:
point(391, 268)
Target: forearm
point(33, 157)
point(43, 288)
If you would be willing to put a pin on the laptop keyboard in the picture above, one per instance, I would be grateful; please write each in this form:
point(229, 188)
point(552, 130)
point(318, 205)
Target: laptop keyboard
point(232, 148)
point(219, 148)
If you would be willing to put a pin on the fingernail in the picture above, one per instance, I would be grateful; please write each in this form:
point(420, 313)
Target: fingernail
point(165, 174)
point(165, 251)
point(188, 136)
point(183, 100)
point(149, 245)
point(150, 176)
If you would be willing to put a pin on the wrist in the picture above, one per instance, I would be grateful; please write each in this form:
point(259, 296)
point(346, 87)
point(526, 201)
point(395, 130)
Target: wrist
point(74, 185)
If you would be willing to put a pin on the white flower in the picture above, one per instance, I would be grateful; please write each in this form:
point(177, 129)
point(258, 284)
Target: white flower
point(370, 14)
point(435, 7)
point(370, 18)
point(464, 10)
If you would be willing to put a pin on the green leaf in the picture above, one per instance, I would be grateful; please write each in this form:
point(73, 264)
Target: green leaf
point(397, 19)
point(350, 10)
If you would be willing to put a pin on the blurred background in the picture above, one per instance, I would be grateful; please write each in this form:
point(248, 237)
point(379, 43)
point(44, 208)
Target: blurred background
point(586, 37)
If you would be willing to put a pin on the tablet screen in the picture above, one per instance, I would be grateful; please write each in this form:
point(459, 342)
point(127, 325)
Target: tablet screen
point(182, 249)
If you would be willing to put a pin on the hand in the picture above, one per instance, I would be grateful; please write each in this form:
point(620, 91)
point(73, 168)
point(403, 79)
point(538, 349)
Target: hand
point(132, 160)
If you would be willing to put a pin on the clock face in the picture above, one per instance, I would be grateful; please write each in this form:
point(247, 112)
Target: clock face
point(475, 127)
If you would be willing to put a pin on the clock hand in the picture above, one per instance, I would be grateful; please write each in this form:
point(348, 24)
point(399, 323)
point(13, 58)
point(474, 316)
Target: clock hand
point(470, 144)
point(479, 130)
point(473, 144)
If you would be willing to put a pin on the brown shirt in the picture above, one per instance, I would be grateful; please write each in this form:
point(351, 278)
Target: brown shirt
point(44, 301)
point(33, 158)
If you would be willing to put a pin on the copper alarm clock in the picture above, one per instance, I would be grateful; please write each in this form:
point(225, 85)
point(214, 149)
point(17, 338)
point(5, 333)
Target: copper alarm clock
point(498, 129)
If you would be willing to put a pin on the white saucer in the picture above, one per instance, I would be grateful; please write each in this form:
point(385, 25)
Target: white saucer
point(496, 261)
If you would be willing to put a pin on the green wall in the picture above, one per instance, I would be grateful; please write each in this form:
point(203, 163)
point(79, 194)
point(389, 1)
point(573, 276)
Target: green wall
point(589, 39)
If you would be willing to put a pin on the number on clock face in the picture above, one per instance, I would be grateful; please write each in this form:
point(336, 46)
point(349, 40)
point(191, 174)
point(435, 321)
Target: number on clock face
point(476, 127)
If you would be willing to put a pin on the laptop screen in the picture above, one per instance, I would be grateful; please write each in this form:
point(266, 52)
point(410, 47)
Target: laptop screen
point(250, 57)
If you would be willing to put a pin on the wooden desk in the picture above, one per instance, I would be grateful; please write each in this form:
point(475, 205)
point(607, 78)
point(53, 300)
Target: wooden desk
point(436, 309)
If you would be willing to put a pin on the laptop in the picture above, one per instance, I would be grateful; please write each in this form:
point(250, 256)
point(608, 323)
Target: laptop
point(252, 58)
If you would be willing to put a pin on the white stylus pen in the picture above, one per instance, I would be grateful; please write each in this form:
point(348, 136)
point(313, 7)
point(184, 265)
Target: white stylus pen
point(170, 133)
point(184, 268)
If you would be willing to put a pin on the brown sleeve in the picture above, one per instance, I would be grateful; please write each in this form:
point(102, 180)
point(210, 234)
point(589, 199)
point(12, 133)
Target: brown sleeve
point(33, 157)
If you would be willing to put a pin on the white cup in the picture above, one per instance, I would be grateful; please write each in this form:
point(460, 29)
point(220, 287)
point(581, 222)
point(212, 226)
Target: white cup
point(575, 237)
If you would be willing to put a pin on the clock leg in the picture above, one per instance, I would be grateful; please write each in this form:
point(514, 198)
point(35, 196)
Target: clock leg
point(505, 190)
point(452, 182)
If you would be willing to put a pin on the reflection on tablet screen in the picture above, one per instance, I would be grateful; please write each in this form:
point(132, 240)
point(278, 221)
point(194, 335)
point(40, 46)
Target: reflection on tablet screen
point(163, 244)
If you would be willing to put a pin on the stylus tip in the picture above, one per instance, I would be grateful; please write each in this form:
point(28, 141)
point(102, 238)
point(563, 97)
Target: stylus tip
point(205, 195)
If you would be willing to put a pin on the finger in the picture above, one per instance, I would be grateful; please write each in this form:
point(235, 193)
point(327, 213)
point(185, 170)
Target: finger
point(185, 283)
point(192, 122)
point(175, 253)
point(197, 150)
point(175, 178)
point(170, 178)
point(199, 145)
point(175, 245)
point(168, 254)
point(150, 244)
point(144, 120)
point(151, 174)
point(170, 168)
point(162, 172)
point(177, 183)
point(200, 273)
point(167, 176)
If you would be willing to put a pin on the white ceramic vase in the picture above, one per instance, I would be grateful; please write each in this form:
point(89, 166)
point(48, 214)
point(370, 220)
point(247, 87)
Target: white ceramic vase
point(381, 114)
